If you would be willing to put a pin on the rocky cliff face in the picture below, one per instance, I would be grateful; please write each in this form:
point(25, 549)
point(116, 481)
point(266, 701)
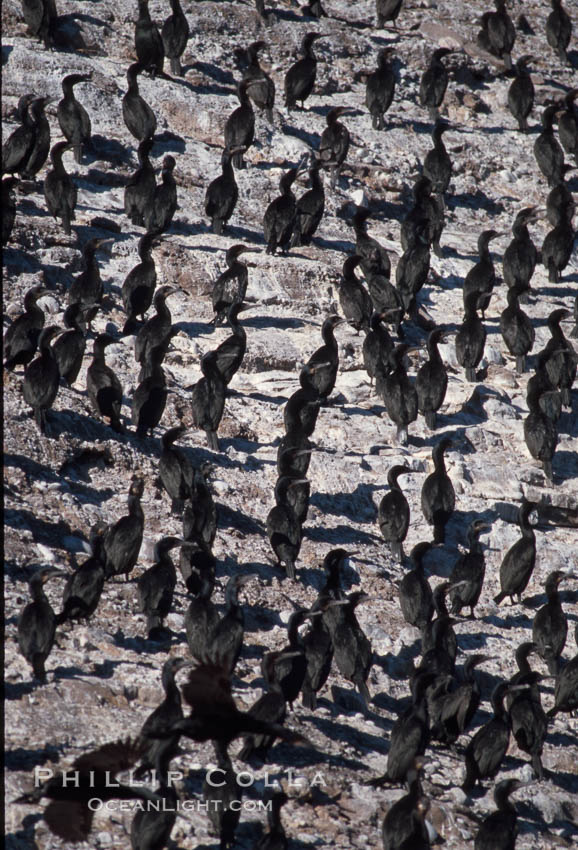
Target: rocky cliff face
point(104, 678)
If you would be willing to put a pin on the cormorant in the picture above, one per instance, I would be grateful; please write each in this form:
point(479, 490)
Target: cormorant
point(69, 348)
point(547, 150)
point(103, 386)
point(413, 268)
point(442, 636)
point(151, 827)
point(156, 329)
point(222, 798)
point(438, 497)
point(37, 623)
point(550, 625)
point(59, 188)
point(279, 216)
point(195, 563)
point(387, 10)
point(528, 720)
point(520, 559)
point(440, 658)
point(283, 527)
point(201, 618)
point(399, 395)
point(456, 709)
point(231, 285)
point(380, 87)
point(231, 351)
point(393, 513)
point(470, 338)
point(21, 338)
point(158, 752)
point(8, 208)
point(566, 693)
point(41, 17)
point(325, 360)
point(122, 541)
point(521, 93)
point(208, 399)
point(300, 78)
point(558, 246)
point(559, 29)
point(540, 433)
point(275, 838)
point(139, 285)
point(415, 595)
point(156, 586)
point(560, 205)
point(84, 586)
point(222, 193)
point(261, 88)
point(138, 116)
point(377, 347)
point(334, 144)
point(26, 150)
point(150, 396)
point(291, 664)
point(501, 33)
point(270, 706)
point(375, 259)
point(353, 296)
point(568, 124)
point(300, 491)
point(175, 34)
point(434, 83)
point(148, 43)
point(351, 648)
point(72, 116)
point(309, 209)
point(558, 357)
point(487, 748)
point(426, 208)
point(498, 830)
point(175, 470)
point(87, 288)
point(467, 575)
point(318, 649)
point(437, 165)
point(69, 814)
point(314, 9)
point(431, 381)
point(42, 378)
point(240, 126)
point(200, 515)
point(481, 279)
point(140, 189)
point(302, 408)
point(519, 260)
point(403, 826)
point(159, 215)
point(226, 639)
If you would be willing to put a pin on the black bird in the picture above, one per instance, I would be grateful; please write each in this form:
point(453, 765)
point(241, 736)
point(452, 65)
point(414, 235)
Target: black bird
point(399, 395)
point(547, 150)
point(201, 617)
point(140, 189)
point(300, 78)
point(499, 829)
point(501, 33)
point(325, 360)
point(481, 279)
point(550, 625)
point(519, 260)
point(42, 378)
point(72, 116)
point(558, 246)
point(148, 43)
point(351, 648)
point(240, 125)
point(393, 513)
point(425, 207)
point(438, 497)
point(271, 705)
point(434, 83)
point(300, 491)
point(566, 692)
point(222, 193)
point(157, 753)
point(196, 563)
point(560, 205)
point(353, 296)
point(437, 165)
point(208, 399)
point(41, 18)
point(314, 9)
point(37, 623)
point(375, 259)
point(83, 588)
point(175, 34)
point(151, 827)
point(380, 88)
point(470, 338)
point(175, 470)
point(200, 514)
point(279, 216)
point(528, 720)
point(87, 288)
point(275, 838)
point(159, 215)
point(559, 29)
point(301, 410)
point(155, 330)
point(487, 748)
point(69, 814)
point(411, 273)
point(520, 559)
point(102, 384)
point(521, 93)
point(415, 595)
point(431, 381)
point(283, 527)
point(222, 799)
point(150, 396)
point(467, 575)
point(377, 347)
point(558, 357)
point(8, 208)
point(69, 348)
point(318, 649)
point(404, 825)
point(334, 144)
point(455, 710)
point(156, 586)
point(140, 283)
point(21, 338)
point(291, 664)
point(26, 150)
point(59, 188)
point(261, 88)
point(309, 209)
point(540, 432)
point(122, 541)
point(441, 636)
point(231, 285)
point(387, 10)
point(226, 639)
point(138, 116)
point(568, 124)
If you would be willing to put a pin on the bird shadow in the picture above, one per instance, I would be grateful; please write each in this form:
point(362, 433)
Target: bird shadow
point(339, 535)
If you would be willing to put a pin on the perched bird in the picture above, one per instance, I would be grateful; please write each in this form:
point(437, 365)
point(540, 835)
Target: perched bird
point(59, 189)
point(437, 165)
point(140, 189)
point(568, 124)
point(566, 692)
point(279, 216)
point(151, 826)
point(102, 384)
point(550, 625)
point(540, 432)
point(231, 285)
point(325, 360)
point(42, 378)
point(200, 514)
point(138, 116)
point(334, 144)
point(559, 29)
point(415, 595)
point(351, 647)
point(467, 575)
point(240, 126)
point(208, 399)
point(122, 540)
point(399, 394)
point(455, 710)
point(175, 469)
point(283, 527)
point(41, 18)
point(519, 260)
point(87, 288)
point(155, 331)
point(353, 297)
point(140, 283)
point(529, 721)
point(226, 640)
point(148, 43)
point(159, 215)
point(498, 830)
point(309, 209)
point(431, 381)
point(26, 150)
point(21, 338)
point(481, 279)
point(547, 149)
point(558, 358)
point(84, 587)
point(300, 78)
point(201, 617)
point(222, 193)
point(521, 93)
point(470, 338)
point(175, 34)
point(37, 623)
point(73, 118)
point(404, 823)
point(518, 563)
point(393, 513)
point(380, 88)
point(377, 347)
point(438, 497)
point(375, 259)
point(150, 396)
point(487, 748)
point(156, 586)
point(434, 82)
point(387, 10)
point(261, 88)
point(500, 33)
point(68, 349)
